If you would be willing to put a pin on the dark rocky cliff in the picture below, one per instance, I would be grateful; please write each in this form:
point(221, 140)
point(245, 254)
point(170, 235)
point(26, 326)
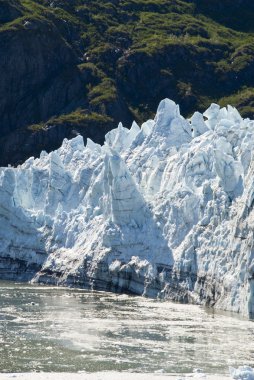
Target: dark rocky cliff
point(39, 75)
point(81, 67)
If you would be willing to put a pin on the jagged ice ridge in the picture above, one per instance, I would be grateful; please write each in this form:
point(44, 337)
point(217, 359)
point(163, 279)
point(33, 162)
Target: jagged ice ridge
point(165, 210)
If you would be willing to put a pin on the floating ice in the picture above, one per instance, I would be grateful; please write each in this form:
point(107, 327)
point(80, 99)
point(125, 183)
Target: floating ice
point(242, 373)
point(164, 210)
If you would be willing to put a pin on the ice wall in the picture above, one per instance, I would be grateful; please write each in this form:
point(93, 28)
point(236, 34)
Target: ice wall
point(164, 210)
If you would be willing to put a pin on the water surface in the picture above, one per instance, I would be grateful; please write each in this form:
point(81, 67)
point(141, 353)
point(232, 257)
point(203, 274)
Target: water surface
point(58, 329)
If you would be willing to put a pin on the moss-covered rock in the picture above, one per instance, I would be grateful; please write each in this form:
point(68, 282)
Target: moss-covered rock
point(93, 63)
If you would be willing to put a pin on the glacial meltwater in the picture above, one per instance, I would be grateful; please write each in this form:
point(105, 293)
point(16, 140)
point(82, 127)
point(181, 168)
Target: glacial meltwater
point(69, 330)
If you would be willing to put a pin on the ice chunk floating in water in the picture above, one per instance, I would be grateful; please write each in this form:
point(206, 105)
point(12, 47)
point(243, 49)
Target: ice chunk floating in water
point(242, 373)
point(163, 210)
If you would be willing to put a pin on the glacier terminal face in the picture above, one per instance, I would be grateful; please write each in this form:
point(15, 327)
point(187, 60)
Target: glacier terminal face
point(165, 210)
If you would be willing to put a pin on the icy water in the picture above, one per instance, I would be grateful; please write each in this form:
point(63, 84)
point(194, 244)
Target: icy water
point(57, 329)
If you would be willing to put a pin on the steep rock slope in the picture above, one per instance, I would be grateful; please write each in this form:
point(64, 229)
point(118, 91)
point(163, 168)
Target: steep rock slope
point(83, 66)
point(39, 71)
point(165, 211)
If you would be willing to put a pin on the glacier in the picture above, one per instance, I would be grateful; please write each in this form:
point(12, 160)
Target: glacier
point(165, 210)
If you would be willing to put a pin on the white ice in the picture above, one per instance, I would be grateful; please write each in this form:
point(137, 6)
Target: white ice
point(173, 194)
point(242, 373)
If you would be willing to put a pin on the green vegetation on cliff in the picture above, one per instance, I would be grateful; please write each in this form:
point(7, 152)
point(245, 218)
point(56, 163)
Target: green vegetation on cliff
point(93, 63)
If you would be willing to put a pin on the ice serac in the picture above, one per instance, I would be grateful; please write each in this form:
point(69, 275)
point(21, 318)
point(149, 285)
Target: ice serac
point(165, 210)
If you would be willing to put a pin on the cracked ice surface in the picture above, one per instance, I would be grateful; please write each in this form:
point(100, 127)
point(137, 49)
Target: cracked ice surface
point(163, 210)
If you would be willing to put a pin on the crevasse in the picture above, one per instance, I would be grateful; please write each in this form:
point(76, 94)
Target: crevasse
point(165, 210)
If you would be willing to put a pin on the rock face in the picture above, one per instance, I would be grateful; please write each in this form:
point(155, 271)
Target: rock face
point(165, 210)
point(39, 69)
point(66, 64)
point(9, 11)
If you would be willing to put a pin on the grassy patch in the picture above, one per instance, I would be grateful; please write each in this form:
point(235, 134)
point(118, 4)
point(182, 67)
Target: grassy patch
point(243, 100)
point(79, 118)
